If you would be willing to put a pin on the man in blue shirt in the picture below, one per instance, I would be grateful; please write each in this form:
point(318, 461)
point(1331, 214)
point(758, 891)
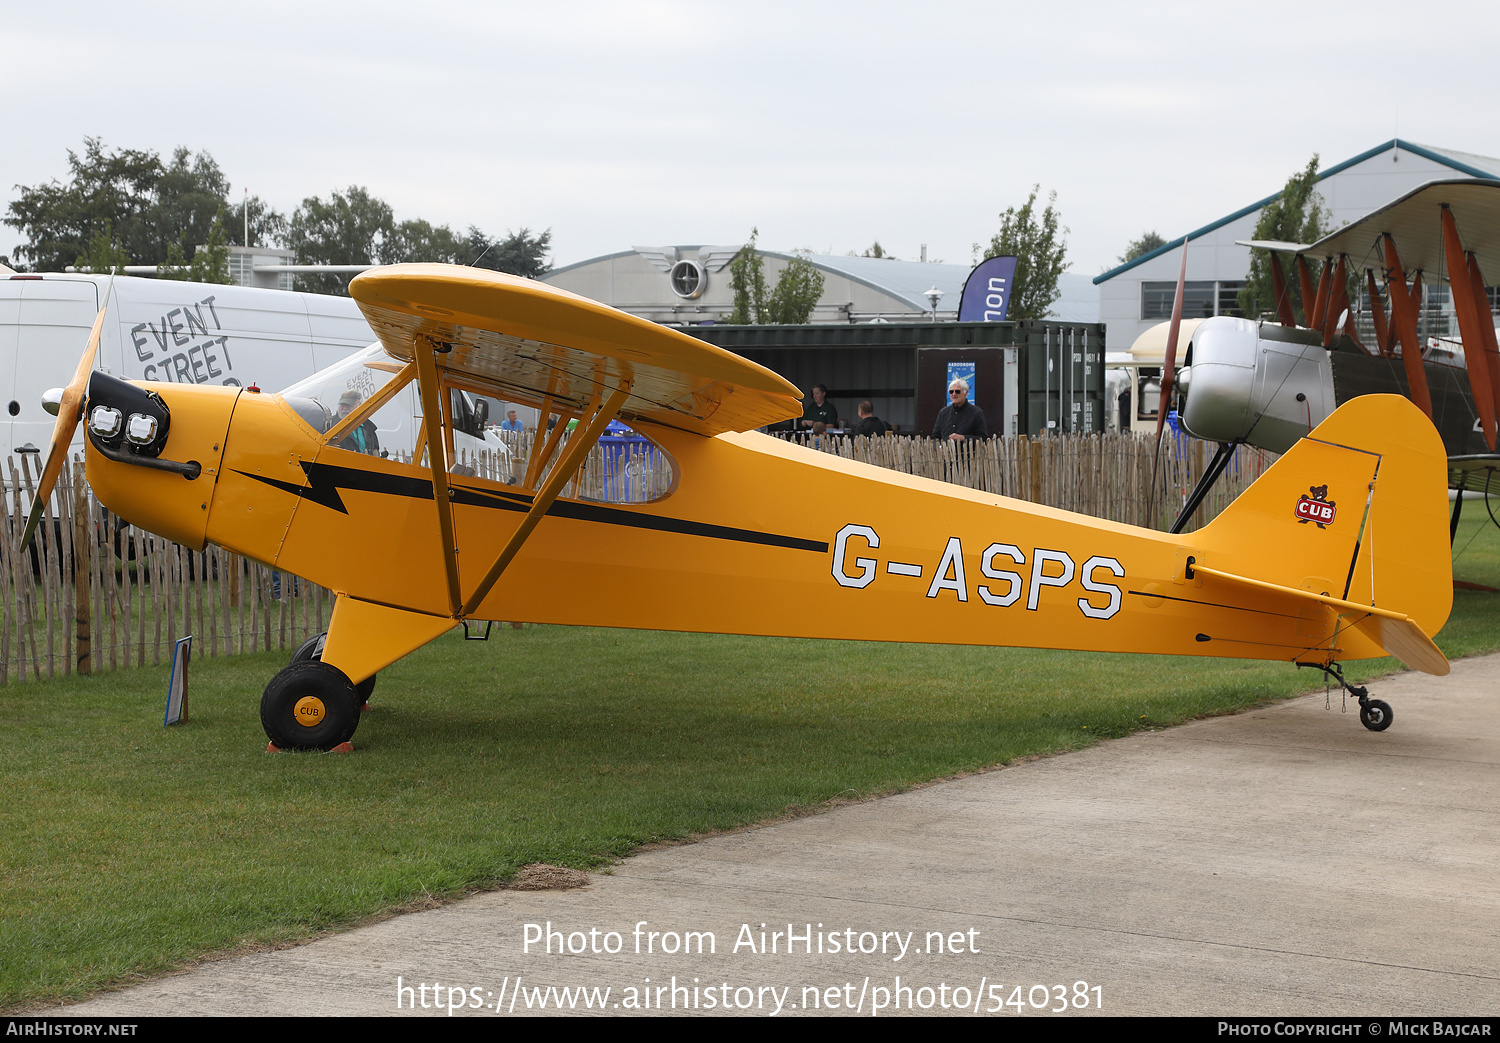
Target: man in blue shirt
point(510, 423)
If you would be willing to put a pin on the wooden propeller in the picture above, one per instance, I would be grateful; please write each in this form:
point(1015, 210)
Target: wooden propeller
point(69, 413)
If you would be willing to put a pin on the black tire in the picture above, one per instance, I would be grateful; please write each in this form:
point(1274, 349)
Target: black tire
point(1376, 715)
point(311, 651)
point(309, 691)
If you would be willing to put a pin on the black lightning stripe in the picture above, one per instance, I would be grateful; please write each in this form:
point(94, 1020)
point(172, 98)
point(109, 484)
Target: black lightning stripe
point(325, 481)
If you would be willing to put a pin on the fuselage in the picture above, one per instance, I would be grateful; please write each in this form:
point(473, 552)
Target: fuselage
point(763, 537)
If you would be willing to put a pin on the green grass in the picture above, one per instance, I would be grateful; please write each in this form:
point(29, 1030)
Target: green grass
point(129, 849)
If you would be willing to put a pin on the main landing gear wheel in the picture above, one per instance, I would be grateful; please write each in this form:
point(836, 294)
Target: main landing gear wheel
point(1376, 715)
point(309, 706)
point(311, 650)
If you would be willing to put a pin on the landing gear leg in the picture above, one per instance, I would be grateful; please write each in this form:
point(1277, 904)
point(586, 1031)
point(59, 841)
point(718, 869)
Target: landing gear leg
point(311, 650)
point(1374, 714)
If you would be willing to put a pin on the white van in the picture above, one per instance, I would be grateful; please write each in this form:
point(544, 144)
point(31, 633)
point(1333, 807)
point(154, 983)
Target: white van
point(183, 332)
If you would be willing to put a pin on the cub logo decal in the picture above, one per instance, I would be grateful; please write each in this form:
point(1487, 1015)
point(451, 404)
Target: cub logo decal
point(1316, 508)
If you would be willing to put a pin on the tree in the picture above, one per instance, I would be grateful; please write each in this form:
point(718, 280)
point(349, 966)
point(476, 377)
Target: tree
point(107, 194)
point(104, 254)
point(522, 253)
point(210, 261)
point(747, 279)
point(798, 290)
point(1039, 248)
point(350, 228)
point(357, 228)
point(1296, 215)
point(267, 227)
point(189, 199)
point(417, 240)
point(147, 206)
point(1140, 247)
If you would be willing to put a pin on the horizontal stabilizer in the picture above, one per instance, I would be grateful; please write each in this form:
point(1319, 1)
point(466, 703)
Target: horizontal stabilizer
point(1395, 632)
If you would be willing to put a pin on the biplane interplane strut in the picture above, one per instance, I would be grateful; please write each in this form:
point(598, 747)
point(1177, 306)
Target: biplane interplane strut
point(753, 535)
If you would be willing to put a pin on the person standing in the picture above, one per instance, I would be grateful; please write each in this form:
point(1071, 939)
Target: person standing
point(960, 419)
point(869, 423)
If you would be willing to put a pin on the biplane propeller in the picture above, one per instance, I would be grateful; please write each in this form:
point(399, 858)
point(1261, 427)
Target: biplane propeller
point(751, 529)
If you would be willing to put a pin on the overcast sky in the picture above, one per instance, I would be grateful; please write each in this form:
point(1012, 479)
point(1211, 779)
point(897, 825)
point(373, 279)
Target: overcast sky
point(827, 125)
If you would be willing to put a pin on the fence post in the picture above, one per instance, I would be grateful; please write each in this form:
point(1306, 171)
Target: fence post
point(82, 625)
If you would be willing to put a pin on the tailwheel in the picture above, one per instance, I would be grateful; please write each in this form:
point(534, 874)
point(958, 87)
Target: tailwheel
point(309, 706)
point(311, 650)
point(1375, 714)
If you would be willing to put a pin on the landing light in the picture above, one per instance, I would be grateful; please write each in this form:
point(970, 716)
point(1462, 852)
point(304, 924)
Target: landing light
point(105, 421)
point(141, 430)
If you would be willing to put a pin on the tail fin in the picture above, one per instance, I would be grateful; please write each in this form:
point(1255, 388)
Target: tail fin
point(1351, 525)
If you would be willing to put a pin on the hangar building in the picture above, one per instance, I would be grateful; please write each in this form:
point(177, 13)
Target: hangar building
point(689, 285)
point(1138, 295)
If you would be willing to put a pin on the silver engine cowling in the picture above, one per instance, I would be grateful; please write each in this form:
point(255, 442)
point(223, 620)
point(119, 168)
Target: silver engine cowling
point(1255, 382)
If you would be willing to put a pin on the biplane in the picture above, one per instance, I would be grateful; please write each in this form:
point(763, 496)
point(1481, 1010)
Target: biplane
point(1269, 383)
point(1324, 559)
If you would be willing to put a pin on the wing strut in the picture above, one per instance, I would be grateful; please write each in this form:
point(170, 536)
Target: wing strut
point(432, 420)
point(1486, 318)
point(1305, 284)
point(541, 452)
point(1404, 304)
point(1377, 313)
point(1283, 295)
point(1481, 380)
point(572, 458)
point(1320, 303)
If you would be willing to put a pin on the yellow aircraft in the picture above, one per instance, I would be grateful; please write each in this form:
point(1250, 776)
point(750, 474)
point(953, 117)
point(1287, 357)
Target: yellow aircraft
point(1336, 553)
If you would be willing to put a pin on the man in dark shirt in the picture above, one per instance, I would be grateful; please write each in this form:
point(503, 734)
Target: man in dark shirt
point(959, 419)
point(819, 410)
point(869, 423)
point(363, 438)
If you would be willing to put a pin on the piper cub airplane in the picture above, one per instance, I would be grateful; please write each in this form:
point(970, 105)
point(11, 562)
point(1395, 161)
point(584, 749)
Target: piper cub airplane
point(1332, 555)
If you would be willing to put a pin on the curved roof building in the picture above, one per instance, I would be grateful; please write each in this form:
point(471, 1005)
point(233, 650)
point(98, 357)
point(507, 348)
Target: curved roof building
point(690, 284)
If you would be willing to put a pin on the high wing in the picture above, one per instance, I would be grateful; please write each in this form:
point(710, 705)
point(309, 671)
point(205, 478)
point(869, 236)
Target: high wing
point(525, 341)
point(1413, 221)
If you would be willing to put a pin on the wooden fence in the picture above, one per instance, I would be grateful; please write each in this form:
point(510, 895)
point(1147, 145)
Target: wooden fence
point(1104, 476)
point(95, 592)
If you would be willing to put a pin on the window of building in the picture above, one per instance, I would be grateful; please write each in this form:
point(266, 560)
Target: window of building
point(1200, 300)
point(1157, 297)
point(1229, 298)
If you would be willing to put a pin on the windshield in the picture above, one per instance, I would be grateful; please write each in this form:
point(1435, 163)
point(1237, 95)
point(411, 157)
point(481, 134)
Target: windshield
point(364, 373)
